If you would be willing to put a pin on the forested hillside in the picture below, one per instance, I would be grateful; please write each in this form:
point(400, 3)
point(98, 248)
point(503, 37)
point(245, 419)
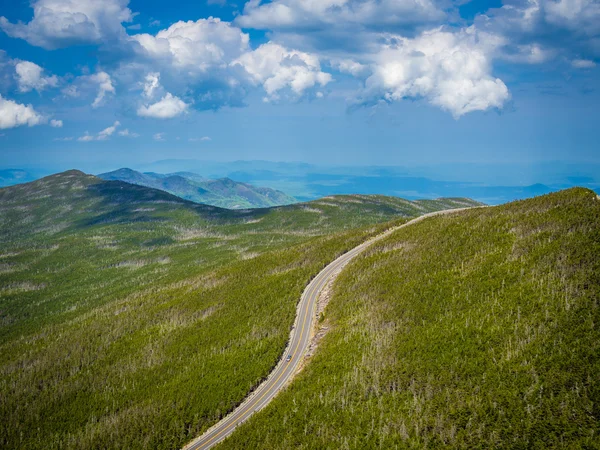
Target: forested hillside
point(131, 318)
point(477, 329)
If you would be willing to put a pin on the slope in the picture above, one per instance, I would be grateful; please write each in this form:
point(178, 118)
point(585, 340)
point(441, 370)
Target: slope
point(130, 312)
point(475, 329)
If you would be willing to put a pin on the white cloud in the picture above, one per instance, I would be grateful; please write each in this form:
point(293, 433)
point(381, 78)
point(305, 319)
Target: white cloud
point(194, 61)
point(102, 135)
point(531, 16)
point(159, 137)
point(451, 70)
point(202, 139)
point(197, 46)
point(583, 64)
point(30, 76)
point(578, 15)
point(56, 123)
point(71, 91)
point(281, 14)
point(128, 133)
point(107, 132)
point(151, 84)
point(168, 107)
point(105, 86)
point(553, 26)
point(86, 138)
point(350, 66)
point(61, 23)
point(529, 53)
point(13, 114)
point(277, 68)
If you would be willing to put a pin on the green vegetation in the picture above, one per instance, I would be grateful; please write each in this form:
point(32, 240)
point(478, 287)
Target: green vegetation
point(223, 192)
point(130, 318)
point(472, 330)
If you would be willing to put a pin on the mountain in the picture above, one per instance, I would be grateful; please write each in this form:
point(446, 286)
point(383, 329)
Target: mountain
point(492, 183)
point(476, 329)
point(223, 192)
point(132, 318)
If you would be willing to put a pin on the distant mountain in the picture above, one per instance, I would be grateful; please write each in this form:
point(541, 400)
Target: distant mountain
point(489, 183)
point(224, 192)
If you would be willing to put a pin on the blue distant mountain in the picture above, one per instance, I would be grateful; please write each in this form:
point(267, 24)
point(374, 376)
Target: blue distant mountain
point(488, 183)
point(223, 192)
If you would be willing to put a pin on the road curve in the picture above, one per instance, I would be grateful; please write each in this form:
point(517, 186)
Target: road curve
point(298, 344)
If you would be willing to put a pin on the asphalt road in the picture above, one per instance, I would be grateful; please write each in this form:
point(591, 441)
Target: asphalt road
point(299, 341)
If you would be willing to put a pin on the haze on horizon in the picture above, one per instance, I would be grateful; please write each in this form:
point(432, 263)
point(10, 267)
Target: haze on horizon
point(102, 85)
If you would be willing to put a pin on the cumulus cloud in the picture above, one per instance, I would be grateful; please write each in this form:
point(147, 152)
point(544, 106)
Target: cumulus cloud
point(578, 15)
point(105, 86)
point(350, 66)
point(151, 84)
point(166, 108)
point(95, 88)
point(56, 123)
point(197, 46)
point(102, 135)
point(30, 76)
point(61, 23)
point(194, 60)
point(159, 137)
point(13, 114)
point(276, 68)
point(552, 26)
point(451, 70)
point(295, 14)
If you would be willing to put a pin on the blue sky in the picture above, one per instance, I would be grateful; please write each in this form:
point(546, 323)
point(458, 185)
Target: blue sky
point(89, 83)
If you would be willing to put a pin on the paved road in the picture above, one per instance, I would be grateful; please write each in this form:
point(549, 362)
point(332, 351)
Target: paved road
point(298, 344)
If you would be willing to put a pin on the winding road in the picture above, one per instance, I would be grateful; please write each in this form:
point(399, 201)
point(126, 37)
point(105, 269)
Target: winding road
point(298, 344)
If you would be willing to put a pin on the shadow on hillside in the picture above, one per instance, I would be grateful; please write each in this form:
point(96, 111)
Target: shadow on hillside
point(121, 203)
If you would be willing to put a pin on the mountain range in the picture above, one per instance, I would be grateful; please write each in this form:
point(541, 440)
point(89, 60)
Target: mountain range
point(222, 192)
point(132, 318)
point(491, 184)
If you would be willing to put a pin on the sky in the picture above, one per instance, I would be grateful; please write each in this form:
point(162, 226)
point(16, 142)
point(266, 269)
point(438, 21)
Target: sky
point(90, 83)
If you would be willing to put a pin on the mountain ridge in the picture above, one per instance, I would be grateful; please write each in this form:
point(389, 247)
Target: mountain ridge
point(222, 192)
point(166, 313)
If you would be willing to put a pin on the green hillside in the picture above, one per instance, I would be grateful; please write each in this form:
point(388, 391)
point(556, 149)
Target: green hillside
point(223, 192)
point(131, 318)
point(473, 330)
